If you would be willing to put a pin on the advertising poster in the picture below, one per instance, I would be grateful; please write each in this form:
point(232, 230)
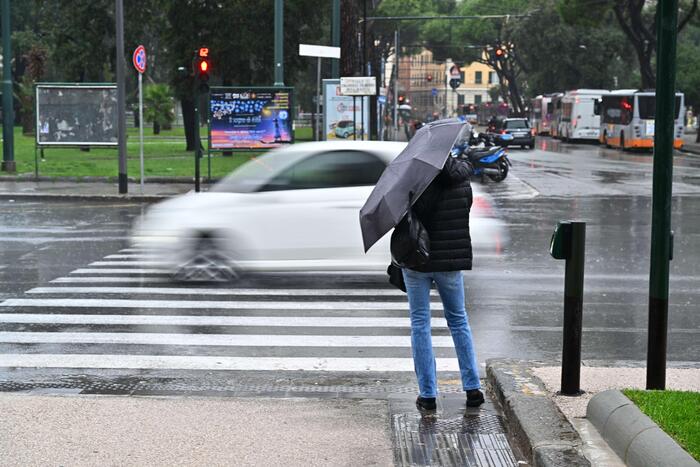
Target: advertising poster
point(338, 113)
point(250, 118)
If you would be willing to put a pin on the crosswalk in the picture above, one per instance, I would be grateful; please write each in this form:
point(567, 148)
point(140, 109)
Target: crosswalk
point(124, 312)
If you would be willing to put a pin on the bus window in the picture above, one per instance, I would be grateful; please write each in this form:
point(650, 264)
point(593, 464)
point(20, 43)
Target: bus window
point(596, 107)
point(647, 107)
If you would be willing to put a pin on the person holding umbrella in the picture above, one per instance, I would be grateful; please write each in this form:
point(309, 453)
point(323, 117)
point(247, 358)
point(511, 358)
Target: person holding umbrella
point(426, 168)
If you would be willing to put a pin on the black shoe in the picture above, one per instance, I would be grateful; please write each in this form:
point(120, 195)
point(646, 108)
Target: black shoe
point(426, 404)
point(475, 398)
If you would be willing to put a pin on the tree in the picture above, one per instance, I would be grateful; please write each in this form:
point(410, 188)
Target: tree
point(637, 19)
point(158, 106)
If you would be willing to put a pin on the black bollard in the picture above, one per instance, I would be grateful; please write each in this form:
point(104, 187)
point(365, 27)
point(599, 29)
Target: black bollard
point(569, 243)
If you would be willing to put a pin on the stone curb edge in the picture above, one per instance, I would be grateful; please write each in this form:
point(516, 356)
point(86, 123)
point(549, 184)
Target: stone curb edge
point(86, 197)
point(545, 436)
point(632, 435)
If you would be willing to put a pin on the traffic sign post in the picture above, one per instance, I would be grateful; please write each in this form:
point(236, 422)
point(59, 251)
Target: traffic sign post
point(139, 61)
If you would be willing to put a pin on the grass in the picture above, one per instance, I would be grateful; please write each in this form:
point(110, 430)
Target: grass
point(676, 412)
point(164, 156)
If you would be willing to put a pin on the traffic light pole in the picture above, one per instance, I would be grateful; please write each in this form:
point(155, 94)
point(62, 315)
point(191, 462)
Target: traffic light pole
point(197, 137)
point(279, 43)
point(666, 32)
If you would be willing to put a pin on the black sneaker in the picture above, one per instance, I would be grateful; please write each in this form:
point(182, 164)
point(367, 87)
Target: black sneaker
point(475, 398)
point(426, 404)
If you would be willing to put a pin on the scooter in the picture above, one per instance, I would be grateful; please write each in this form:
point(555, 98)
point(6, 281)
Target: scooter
point(487, 159)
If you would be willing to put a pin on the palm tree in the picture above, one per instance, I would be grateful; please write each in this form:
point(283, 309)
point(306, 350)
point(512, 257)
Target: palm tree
point(158, 106)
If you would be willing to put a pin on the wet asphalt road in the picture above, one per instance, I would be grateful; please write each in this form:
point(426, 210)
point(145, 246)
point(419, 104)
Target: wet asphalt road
point(515, 300)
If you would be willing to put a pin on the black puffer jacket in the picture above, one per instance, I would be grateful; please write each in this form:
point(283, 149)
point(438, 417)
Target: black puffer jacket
point(444, 211)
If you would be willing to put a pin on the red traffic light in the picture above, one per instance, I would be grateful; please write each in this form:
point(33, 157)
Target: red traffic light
point(203, 66)
point(429, 78)
point(499, 52)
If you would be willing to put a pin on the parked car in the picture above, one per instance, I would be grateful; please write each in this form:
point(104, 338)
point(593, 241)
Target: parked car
point(344, 129)
point(295, 208)
point(514, 132)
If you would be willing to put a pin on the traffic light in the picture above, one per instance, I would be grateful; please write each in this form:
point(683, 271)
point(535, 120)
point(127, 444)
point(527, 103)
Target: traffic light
point(429, 78)
point(402, 99)
point(202, 65)
point(500, 53)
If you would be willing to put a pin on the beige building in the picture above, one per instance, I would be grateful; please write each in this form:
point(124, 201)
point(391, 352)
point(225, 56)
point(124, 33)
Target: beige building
point(425, 84)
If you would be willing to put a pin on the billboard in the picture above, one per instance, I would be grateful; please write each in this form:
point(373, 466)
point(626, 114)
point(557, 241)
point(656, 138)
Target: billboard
point(340, 115)
point(250, 118)
point(76, 115)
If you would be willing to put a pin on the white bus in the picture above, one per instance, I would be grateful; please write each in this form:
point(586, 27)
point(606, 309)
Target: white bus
point(579, 117)
point(627, 119)
point(541, 114)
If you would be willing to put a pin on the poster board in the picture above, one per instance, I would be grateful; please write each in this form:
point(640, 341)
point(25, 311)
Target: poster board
point(250, 117)
point(338, 113)
point(76, 114)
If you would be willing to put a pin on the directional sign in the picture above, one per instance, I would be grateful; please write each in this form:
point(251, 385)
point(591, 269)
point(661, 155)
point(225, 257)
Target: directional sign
point(434, 92)
point(358, 86)
point(139, 59)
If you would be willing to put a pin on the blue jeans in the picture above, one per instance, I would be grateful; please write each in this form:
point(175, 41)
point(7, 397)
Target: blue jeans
point(450, 286)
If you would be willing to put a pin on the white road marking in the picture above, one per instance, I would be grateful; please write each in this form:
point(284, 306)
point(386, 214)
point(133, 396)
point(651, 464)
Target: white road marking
point(221, 291)
point(231, 340)
point(180, 320)
point(128, 263)
point(132, 255)
point(204, 304)
point(121, 280)
point(217, 363)
point(120, 271)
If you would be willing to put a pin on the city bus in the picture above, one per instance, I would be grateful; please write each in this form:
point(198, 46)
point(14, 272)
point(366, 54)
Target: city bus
point(579, 114)
point(541, 114)
point(627, 119)
point(555, 119)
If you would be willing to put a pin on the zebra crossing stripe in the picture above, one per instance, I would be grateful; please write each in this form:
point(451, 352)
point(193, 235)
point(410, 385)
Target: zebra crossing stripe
point(170, 362)
point(97, 280)
point(128, 263)
point(121, 271)
point(220, 291)
point(205, 304)
point(188, 320)
point(132, 255)
point(231, 340)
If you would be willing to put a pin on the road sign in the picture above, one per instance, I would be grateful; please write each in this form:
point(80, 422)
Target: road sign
point(139, 59)
point(358, 86)
point(434, 92)
point(319, 51)
point(381, 99)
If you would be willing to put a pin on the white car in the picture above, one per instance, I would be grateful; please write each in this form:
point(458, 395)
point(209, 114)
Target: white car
point(291, 209)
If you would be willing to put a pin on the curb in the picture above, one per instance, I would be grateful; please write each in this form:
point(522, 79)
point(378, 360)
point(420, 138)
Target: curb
point(95, 179)
point(545, 436)
point(632, 435)
point(78, 197)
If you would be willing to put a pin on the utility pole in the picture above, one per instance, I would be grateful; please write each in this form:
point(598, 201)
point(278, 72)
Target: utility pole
point(335, 37)
point(661, 241)
point(8, 116)
point(121, 100)
point(279, 43)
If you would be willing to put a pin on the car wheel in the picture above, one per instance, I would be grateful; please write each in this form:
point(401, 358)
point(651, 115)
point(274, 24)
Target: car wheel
point(207, 263)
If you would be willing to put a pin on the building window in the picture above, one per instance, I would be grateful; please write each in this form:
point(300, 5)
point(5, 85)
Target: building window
point(477, 98)
point(493, 79)
point(460, 99)
point(461, 76)
point(477, 77)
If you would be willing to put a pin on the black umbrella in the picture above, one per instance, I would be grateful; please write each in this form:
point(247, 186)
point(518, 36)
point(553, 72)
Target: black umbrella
point(411, 171)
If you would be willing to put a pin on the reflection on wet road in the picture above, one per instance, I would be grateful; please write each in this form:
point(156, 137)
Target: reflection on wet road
point(76, 296)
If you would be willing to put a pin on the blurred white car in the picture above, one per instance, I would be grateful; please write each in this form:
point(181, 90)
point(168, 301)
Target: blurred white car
point(291, 209)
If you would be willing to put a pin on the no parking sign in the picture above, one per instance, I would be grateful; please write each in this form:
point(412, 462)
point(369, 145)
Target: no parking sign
point(139, 59)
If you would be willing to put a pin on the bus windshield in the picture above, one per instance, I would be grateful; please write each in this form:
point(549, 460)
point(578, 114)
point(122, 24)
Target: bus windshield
point(647, 107)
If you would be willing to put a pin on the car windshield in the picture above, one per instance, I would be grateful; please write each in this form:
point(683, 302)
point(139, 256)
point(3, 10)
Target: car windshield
point(343, 124)
point(257, 172)
point(516, 124)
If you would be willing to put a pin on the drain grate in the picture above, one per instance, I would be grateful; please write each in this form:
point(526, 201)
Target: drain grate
point(471, 440)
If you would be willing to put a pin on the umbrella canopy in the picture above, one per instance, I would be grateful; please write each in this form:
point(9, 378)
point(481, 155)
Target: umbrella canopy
point(411, 171)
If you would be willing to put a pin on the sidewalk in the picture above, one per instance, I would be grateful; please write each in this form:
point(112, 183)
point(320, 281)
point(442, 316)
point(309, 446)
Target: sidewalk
point(93, 190)
point(689, 144)
point(188, 431)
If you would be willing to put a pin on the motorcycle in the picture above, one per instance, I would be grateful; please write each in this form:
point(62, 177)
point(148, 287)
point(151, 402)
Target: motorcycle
point(487, 159)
